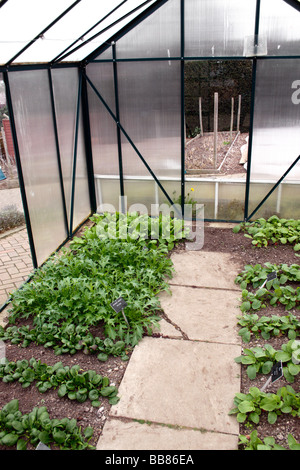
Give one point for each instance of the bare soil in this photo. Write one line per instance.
(217, 240)
(199, 154)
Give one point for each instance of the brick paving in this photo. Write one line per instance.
(15, 262)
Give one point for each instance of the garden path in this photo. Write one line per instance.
(15, 262)
(179, 385)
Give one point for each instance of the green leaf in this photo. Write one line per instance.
(10, 439)
(59, 436)
(245, 407)
(272, 417)
(251, 372)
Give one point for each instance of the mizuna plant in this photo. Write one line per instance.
(119, 256)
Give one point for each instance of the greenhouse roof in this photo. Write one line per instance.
(38, 31)
(55, 31)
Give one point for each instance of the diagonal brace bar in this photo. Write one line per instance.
(273, 189)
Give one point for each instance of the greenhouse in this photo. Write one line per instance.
(110, 99)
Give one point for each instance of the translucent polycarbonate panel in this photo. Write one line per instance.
(258, 191)
(204, 192)
(156, 36)
(288, 204)
(65, 88)
(150, 113)
(74, 25)
(140, 195)
(230, 201)
(35, 133)
(103, 127)
(218, 28)
(22, 21)
(280, 24)
(276, 137)
(107, 194)
(119, 18)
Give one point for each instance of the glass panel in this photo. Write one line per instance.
(280, 24)
(65, 87)
(276, 138)
(150, 112)
(156, 36)
(35, 133)
(216, 28)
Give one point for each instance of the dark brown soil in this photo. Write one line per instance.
(217, 240)
(199, 153)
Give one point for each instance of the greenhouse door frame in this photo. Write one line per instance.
(82, 102)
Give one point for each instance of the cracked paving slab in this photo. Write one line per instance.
(209, 314)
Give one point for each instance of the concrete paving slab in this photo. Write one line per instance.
(167, 330)
(204, 269)
(183, 383)
(120, 435)
(203, 314)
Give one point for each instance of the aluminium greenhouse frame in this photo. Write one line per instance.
(85, 83)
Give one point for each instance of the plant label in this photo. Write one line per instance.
(270, 277)
(42, 446)
(118, 304)
(277, 371)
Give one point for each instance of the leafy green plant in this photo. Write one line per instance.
(266, 327)
(284, 295)
(17, 429)
(257, 275)
(119, 256)
(261, 360)
(253, 442)
(69, 382)
(273, 230)
(249, 407)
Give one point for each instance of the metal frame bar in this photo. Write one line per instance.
(252, 110)
(115, 72)
(182, 63)
(58, 152)
(43, 32)
(20, 171)
(293, 4)
(75, 154)
(88, 143)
